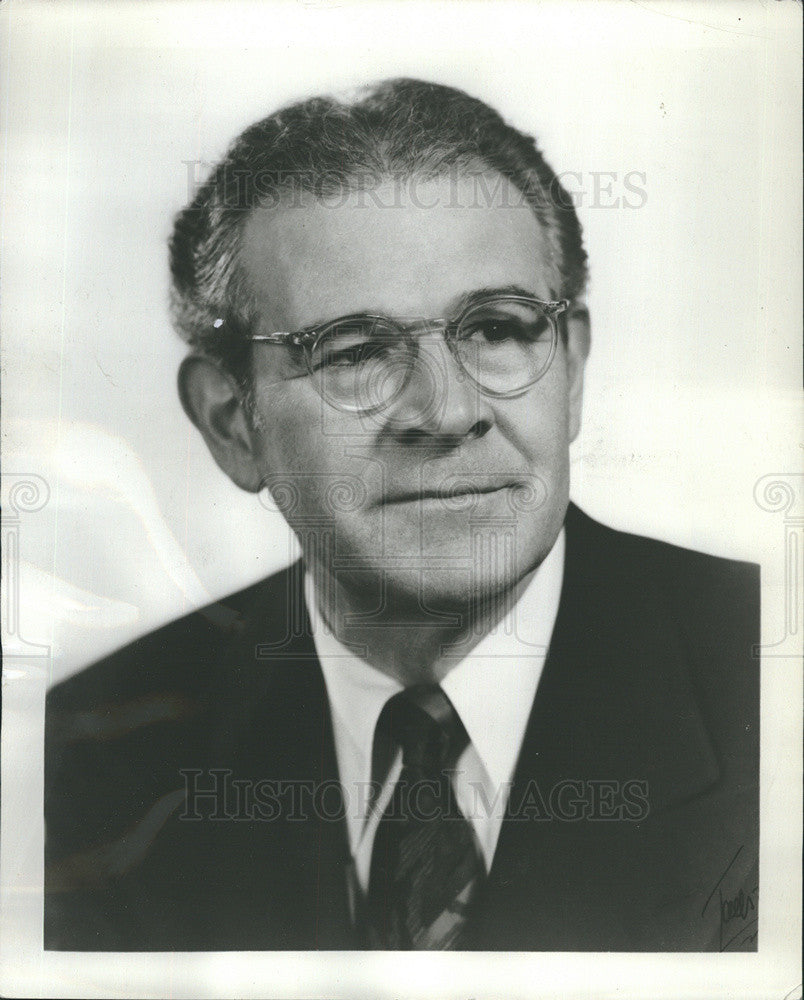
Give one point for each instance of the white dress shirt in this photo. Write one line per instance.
(492, 690)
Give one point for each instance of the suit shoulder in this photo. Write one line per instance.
(176, 655)
(716, 602)
(713, 602)
(673, 565)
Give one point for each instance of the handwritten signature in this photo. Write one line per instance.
(737, 911)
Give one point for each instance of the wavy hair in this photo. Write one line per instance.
(398, 128)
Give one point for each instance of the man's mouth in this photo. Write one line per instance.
(455, 491)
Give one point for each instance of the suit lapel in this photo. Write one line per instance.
(614, 705)
(289, 872)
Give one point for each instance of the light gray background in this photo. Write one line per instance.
(693, 389)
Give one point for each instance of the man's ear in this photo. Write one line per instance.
(213, 401)
(579, 340)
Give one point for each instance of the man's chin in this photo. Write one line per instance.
(425, 575)
(446, 596)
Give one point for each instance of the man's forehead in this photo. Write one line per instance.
(406, 246)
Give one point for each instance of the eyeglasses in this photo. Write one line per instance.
(362, 363)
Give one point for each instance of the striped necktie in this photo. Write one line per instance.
(425, 863)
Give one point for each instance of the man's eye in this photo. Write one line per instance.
(493, 331)
(336, 355)
(498, 330)
(354, 354)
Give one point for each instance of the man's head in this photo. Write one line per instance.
(409, 203)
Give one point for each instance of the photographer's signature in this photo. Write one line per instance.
(738, 912)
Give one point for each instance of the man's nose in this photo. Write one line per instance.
(440, 400)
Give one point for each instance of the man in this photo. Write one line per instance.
(471, 717)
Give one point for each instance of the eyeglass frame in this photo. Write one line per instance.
(309, 338)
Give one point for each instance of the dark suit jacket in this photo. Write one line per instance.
(650, 694)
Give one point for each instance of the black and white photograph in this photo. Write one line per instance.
(403, 499)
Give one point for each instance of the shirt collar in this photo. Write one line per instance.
(493, 687)
(357, 691)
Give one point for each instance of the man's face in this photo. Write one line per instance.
(370, 484)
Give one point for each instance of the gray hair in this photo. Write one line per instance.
(399, 128)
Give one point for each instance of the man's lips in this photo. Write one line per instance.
(447, 493)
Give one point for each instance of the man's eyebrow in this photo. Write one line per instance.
(457, 305)
(478, 294)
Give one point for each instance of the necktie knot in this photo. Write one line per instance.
(423, 721)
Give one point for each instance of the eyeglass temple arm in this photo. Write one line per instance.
(284, 338)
